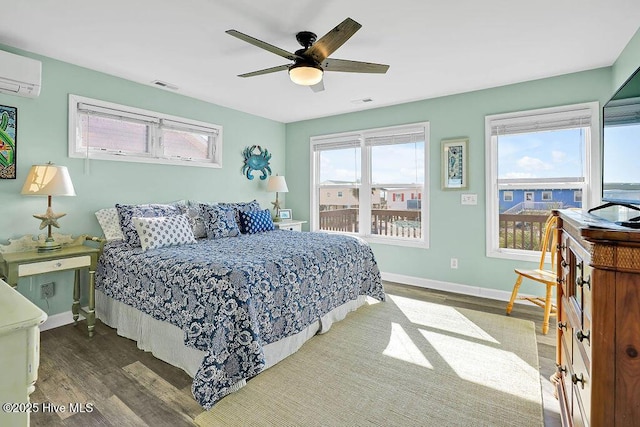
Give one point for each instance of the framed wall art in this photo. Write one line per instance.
(455, 164)
(8, 141)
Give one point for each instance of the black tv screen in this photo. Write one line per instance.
(621, 145)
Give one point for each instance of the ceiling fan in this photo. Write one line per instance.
(313, 60)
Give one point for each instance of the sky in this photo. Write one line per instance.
(551, 154)
(391, 164)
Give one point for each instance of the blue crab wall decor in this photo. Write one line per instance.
(256, 161)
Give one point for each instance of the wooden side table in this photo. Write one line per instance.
(19, 260)
(289, 224)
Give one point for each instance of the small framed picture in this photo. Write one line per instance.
(284, 213)
(454, 164)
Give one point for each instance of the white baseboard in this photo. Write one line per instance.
(57, 320)
(452, 287)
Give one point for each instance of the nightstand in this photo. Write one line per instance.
(77, 257)
(289, 224)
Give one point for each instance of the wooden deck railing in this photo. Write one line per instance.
(517, 231)
(384, 222)
(521, 231)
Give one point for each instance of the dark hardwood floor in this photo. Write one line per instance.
(126, 386)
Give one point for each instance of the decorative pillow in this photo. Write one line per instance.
(194, 215)
(219, 221)
(127, 212)
(110, 224)
(243, 207)
(256, 221)
(161, 231)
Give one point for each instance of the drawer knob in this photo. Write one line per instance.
(561, 369)
(562, 325)
(632, 352)
(583, 336)
(575, 379)
(564, 264)
(560, 247)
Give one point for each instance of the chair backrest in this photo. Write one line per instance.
(549, 242)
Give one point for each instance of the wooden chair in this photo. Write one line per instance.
(541, 275)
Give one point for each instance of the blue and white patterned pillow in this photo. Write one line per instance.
(256, 221)
(219, 221)
(127, 212)
(161, 231)
(242, 207)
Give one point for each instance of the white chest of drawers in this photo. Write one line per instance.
(19, 352)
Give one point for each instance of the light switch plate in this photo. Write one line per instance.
(469, 199)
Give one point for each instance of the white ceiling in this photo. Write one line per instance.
(434, 47)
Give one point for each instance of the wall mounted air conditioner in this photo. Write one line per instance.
(20, 75)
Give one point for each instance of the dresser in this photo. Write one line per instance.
(598, 339)
(19, 354)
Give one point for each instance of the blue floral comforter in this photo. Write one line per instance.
(234, 295)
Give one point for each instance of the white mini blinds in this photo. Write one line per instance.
(107, 131)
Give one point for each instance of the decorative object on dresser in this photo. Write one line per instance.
(277, 184)
(48, 180)
(541, 275)
(20, 258)
(8, 141)
(598, 344)
(285, 214)
(19, 354)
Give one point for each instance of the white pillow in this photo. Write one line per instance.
(161, 231)
(110, 224)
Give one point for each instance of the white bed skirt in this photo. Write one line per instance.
(166, 341)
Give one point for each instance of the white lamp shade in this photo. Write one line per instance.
(48, 180)
(277, 184)
(305, 75)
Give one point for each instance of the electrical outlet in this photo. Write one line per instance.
(47, 290)
(454, 262)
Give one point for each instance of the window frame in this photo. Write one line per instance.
(590, 186)
(156, 122)
(365, 185)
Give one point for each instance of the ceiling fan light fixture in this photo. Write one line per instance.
(305, 74)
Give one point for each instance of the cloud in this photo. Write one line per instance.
(532, 163)
(558, 156)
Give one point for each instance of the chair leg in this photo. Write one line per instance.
(547, 310)
(514, 294)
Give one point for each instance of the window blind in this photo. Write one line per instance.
(542, 122)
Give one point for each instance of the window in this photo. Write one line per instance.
(543, 158)
(107, 131)
(382, 175)
(577, 196)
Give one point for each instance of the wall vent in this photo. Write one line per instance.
(164, 85)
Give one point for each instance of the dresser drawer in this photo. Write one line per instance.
(53, 265)
(581, 381)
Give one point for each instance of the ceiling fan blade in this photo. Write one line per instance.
(262, 45)
(331, 41)
(318, 87)
(265, 71)
(347, 66)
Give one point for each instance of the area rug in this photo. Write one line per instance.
(403, 362)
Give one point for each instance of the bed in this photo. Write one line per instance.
(224, 309)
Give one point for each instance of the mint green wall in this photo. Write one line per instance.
(627, 62)
(42, 136)
(455, 230)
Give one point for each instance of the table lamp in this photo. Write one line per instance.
(277, 184)
(48, 180)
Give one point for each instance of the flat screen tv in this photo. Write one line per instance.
(621, 146)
